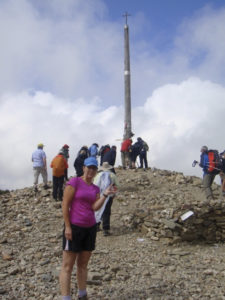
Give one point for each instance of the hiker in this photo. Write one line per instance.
(208, 177)
(84, 150)
(143, 153)
(39, 166)
(79, 161)
(93, 150)
(81, 198)
(110, 157)
(103, 150)
(134, 151)
(65, 151)
(58, 165)
(222, 173)
(103, 179)
(125, 158)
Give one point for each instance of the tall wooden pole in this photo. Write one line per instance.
(127, 120)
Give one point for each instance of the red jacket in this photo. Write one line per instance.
(125, 145)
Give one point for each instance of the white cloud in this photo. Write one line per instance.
(27, 119)
(61, 81)
(72, 51)
(179, 119)
(175, 121)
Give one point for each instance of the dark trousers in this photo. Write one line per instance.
(66, 174)
(106, 215)
(143, 158)
(58, 187)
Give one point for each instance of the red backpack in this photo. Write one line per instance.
(214, 162)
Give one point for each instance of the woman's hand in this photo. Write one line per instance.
(68, 233)
(112, 189)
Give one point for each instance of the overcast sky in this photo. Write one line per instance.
(61, 79)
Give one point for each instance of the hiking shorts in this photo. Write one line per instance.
(83, 239)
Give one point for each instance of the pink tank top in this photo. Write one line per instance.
(81, 212)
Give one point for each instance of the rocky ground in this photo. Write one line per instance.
(151, 254)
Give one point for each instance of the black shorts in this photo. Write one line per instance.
(83, 239)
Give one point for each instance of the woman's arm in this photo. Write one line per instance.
(67, 199)
(100, 200)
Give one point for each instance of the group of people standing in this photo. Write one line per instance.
(59, 164)
(130, 152)
(106, 153)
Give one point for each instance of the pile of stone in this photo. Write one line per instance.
(169, 205)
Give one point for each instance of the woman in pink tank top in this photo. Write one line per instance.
(81, 198)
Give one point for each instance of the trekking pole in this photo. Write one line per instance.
(215, 168)
(195, 162)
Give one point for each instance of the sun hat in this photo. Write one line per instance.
(40, 145)
(91, 161)
(105, 167)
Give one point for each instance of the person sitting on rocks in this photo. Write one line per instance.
(81, 198)
(39, 166)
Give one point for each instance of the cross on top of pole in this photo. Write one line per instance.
(126, 15)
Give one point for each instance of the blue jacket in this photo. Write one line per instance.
(204, 162)
(93, 150)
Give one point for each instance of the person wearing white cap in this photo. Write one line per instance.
(39, 166)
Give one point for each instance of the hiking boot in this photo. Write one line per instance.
(35, 189)
(106, 233)
(46, 187)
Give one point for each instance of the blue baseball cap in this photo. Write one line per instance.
(91, 161)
